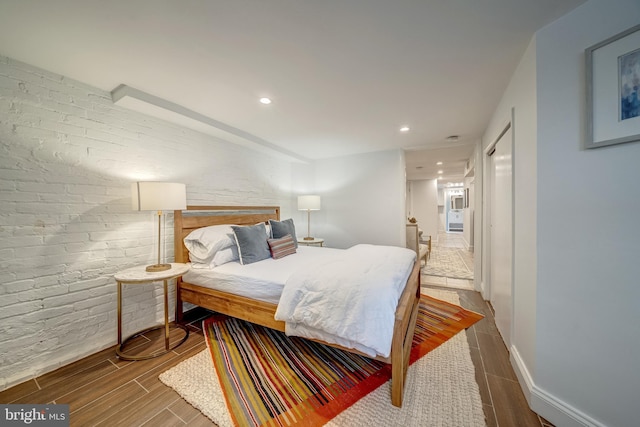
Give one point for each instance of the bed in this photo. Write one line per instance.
(262, 312)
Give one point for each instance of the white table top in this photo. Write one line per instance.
(139, 274)
(315, 240)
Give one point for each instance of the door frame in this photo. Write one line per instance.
(485, 278)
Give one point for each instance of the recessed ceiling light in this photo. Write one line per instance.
(418, 167)
(440, 172)
(453, 138)
(404, 129)
(265, 101)
(438, 163)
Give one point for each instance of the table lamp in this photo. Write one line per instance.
(158, 196)
(309, 203)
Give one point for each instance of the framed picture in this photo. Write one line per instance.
(613, 90)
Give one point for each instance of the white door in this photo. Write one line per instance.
(501, 235)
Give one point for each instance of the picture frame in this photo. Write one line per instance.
(613, 103)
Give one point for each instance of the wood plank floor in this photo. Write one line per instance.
(103, 390)
(503, 400)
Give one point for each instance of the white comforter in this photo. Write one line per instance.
(348, 300)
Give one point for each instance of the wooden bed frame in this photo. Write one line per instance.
(262, 313)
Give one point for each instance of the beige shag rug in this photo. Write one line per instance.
(446, 282)
(449, 262)
(441, 389)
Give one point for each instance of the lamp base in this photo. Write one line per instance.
(308, 238)
(158, 267)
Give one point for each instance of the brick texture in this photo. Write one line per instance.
(67, 158)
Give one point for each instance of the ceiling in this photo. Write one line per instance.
(343, 76)
(423, 163)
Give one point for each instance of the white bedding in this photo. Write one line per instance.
(260, 280)
(346, 297)
(350, 299)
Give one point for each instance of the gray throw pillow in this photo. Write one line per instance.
(280, 229)
(252, 243)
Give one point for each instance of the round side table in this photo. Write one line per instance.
(317, 241)
(138, 275)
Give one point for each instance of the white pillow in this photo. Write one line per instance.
(221, 257)
(225, 255)
(203, 243)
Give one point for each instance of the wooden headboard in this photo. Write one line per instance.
(184, 222)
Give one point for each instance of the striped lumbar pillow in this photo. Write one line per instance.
(282, 247)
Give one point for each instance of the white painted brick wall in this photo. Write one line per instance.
(67, 158)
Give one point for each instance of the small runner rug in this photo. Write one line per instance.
(269, 379)
(448, 262)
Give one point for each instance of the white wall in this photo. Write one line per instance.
(575, 340)
(478, 215)
(519, 99)
(588, 340)
(303, 181)
(363, 199)
(67, 158)
(424, 202)
(442, 208)
(467, 231)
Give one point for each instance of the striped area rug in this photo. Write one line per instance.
(269, 379)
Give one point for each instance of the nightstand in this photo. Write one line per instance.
(138, 275)
(315, 242)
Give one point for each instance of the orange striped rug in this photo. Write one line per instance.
(269, 379)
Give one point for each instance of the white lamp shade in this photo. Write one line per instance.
(158, 196)
(311, 203)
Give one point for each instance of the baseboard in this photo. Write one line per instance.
(524, 377)
(467, 245)
(545, 404)
(483, 291)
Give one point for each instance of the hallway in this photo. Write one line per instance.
(450, 264)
